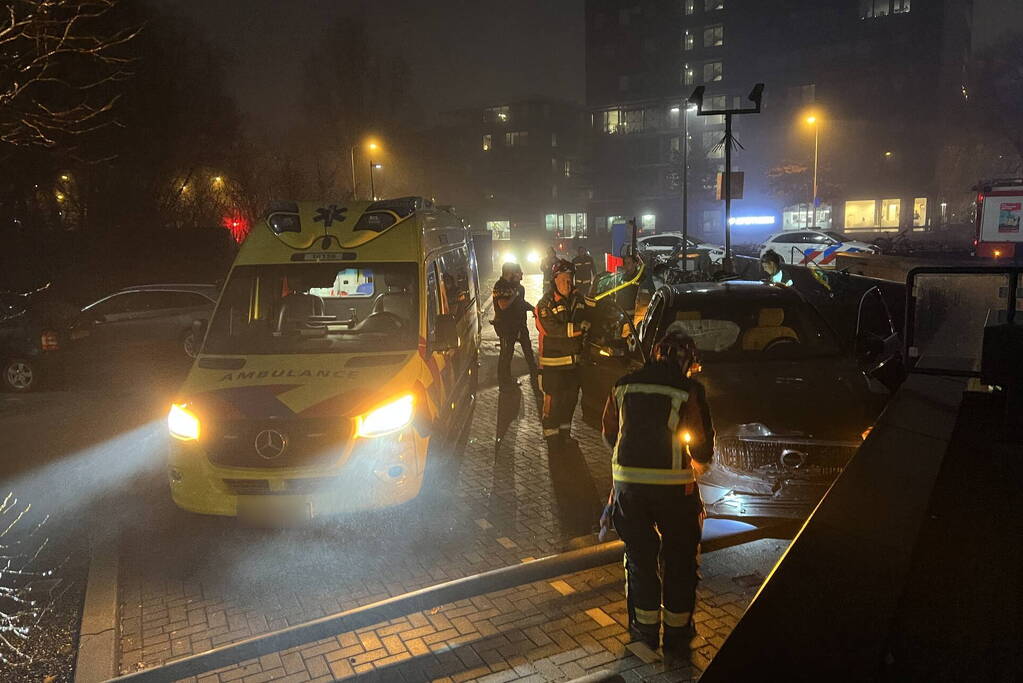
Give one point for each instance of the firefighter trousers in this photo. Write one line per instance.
(560, 387)
(660, 526)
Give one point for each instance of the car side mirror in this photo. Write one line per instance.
(446, 333)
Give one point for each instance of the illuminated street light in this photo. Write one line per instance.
(65, 177)
(218, 181)
(60, 196)
(887, 155)
(811, 119)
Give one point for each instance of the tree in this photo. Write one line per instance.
(995, 93)
(56, 59)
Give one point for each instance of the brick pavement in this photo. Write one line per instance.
(545, 631)
(190, 583)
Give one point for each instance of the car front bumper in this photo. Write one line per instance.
(368, 474)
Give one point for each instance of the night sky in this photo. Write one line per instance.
(462, 52)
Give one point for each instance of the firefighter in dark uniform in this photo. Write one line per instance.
(658, 423)
(562, 315)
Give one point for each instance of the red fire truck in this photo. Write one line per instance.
(999, 219)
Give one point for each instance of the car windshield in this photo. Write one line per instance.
(732, 329)
(317, 308)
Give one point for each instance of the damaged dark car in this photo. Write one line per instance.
(791, 399)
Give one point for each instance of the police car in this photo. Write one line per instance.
(816, 247)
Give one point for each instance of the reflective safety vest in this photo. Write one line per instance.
(558, 318)
(656, 420)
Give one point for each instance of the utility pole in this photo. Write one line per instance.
(816, 131)
(755, 96)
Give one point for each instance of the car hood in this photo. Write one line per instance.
(823, 398)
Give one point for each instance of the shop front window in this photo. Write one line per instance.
(501, 230)
(890, 213)
(919, 212)
(861, 214)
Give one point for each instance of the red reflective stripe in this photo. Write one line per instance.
(830, 257)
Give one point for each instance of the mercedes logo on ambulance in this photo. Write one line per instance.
(270, 444)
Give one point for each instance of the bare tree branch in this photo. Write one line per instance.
(56, 57)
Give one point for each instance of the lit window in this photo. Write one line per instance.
(871, 9)
(900, 6)
(687, 40)
(647, 222)
(551, 222)
(497, 114)
(712, 71)
(516, 139)
(861, 214)
(714, 36)
(688, 75)
(501, 230)
(711, 5)
(919, 212)
(487, 141)
(554, 139)
(690, 7)
(611, 121)
(715, 103)
(890, 213)
(568, 168)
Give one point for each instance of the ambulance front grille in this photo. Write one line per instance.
(307, 443)
(261, 487)
(823, 460)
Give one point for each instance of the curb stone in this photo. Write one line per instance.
(99, 632)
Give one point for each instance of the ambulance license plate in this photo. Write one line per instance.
(275, 510)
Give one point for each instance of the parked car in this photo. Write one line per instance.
(666, 242)
(33, 334)
(145, 317)
(818, 247)
(790, 401)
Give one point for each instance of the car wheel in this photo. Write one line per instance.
(190, 344)
(19, 375)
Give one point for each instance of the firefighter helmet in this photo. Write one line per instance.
(676, 345)
(561, 266)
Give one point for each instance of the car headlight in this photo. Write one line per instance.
(533, 257)
(386, 419)
(182, 423)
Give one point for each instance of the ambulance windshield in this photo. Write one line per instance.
(317, 308)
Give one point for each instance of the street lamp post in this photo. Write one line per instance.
(372, 184)
(812, 120)
(372, 147)
(756, 96)
(684, 111)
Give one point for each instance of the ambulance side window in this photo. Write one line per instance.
(454, 280)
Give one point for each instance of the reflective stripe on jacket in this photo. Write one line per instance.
(647, 419)
(558, 321)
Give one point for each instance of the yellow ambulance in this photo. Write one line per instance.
(344, 342)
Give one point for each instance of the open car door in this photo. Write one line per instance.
(612, 349)
(878, 342)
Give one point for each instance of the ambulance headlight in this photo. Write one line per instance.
(533, 257)
(386, 419)
(182, 423)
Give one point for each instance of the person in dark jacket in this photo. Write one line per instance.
(658, 423)
(510, 308)
(562, 316)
